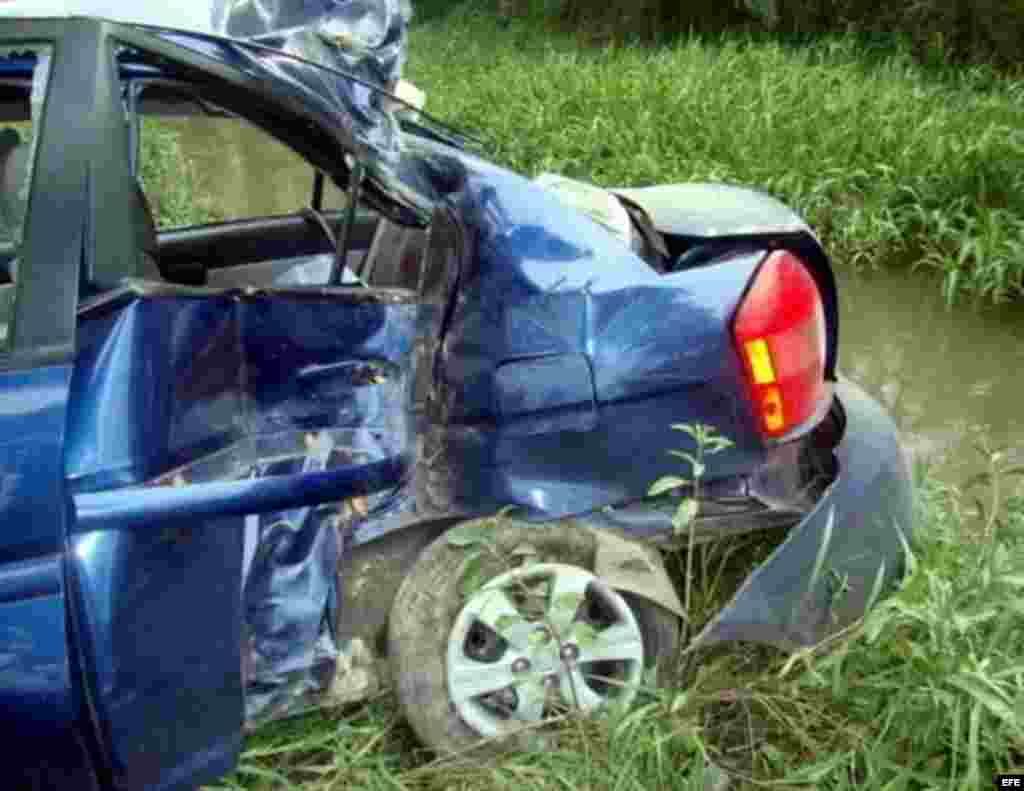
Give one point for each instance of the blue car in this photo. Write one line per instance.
(244, 445)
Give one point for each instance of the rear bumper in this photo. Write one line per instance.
(844, 547)
(844, 554)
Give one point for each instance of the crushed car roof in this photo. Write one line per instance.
(365, 22)
(365, 37)
(360, 39)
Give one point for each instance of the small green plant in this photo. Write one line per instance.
(707, 442)
(998, 470)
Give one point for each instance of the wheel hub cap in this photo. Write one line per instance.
(546, 650)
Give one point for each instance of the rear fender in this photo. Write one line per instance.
(692, 214)
(566, 357)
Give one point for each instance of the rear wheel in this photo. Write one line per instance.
(534, 640)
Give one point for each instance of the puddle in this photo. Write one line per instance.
(943, 374)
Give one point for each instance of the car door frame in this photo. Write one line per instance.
(44, 701)
(140, 554)
(245, 239)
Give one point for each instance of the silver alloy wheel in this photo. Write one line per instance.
(499, 656)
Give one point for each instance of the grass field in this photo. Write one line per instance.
(892, 163)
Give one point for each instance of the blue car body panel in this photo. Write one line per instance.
(38, 695)
(192, 410)
(564, 351)
(132, 589)
(168, 376)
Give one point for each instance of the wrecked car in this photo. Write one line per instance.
(241, 451)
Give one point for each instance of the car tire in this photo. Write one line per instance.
(430, 602)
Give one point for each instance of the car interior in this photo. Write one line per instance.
(270, 219)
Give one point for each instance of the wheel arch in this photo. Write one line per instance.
(374, 570)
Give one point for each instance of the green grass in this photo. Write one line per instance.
(892, 163)
(176, 191)
(928, 692)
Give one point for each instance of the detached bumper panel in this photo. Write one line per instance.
(847, 551)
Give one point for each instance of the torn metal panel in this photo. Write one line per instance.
(627, 566)
(289, 597)
(366, 36)
(564, 351)
(845, 553)
(190, 372)
(221, 435)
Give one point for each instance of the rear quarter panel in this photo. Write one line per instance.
(567, 358)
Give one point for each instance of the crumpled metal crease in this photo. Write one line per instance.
(369, 36)
(291, 657)
(364, 38)
(289, 595)
(255, 383)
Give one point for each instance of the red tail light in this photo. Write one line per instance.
(780, 334)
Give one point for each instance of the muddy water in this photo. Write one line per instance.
(945, 375)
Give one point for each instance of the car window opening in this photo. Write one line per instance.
(232, 204)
